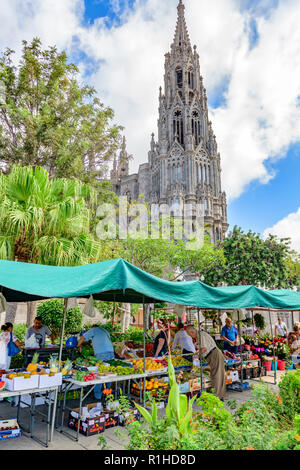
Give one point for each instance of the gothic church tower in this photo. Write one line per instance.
(184, 164)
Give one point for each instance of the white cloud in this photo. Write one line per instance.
(54, 21)
(289, 227)
(260, 118)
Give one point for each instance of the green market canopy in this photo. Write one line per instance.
(120, 281)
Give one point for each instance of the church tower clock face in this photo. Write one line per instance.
(183, 164)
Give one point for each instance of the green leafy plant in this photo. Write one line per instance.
(51, 313)
(259, 321)
(289, 388)
(19, 331)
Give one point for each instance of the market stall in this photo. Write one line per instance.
(119, 281)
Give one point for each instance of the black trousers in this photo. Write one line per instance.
(188, 358)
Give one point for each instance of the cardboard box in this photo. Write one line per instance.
(20, 383)
(26, 401)
(184, 388)
(88, 427)
(46, 381)
(9, 434)
(129, 417)
(91, 426)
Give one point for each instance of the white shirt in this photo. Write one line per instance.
(207, 342)
(184, 340)
(281, 329)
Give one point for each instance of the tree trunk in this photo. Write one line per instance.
(10, 314)
(125, 317)
(31, 313)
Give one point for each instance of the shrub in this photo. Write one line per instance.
(19, 331)
(289, 388)
(51, 313)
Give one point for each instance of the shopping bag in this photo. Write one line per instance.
(31, 342)
(12, 349)
(3, 355)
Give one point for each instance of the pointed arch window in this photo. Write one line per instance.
(196, 127)
(205, 174)
(174, 174)
(191, 78)
(178, 126)
(179, 77)
(178, 171)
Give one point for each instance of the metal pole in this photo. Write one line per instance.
(200, 351)
(144, 348)
(242, 361)
(274, 360)
(59, 364)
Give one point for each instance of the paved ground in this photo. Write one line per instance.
(61, 442)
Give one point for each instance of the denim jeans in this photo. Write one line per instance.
(98, 389)
(232, 349)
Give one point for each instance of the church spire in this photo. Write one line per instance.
(181, 34)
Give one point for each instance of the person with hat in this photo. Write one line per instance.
(215, 359)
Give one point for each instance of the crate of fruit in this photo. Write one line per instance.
(9, 429)
(50, 379)
(22, 381)
(129, 417)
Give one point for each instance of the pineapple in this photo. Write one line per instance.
(67, 367)
(32, 367)
(53, 365)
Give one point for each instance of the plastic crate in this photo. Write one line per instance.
(12, 433)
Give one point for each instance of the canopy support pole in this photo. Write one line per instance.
(200, 352)
(241, 354)
(144, 349)
(274, 360)
(59, 364)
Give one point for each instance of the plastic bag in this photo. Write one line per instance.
(3, 355)
(89, 309)
(3, 304)
(31, 342)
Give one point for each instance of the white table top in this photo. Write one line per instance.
(7, 393)
(103, 380)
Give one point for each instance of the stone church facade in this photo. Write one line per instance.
(184, 165)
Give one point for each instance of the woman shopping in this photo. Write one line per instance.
(9, 345)
(162, 340)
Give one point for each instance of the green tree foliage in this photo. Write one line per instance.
(48, 119)
(51, 312)
(293, 269)
(164, 253)
(45, 221)
(250, 260)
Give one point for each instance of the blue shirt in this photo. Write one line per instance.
(100, 339)
(229, 334)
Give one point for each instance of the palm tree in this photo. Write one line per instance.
(46, 221)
